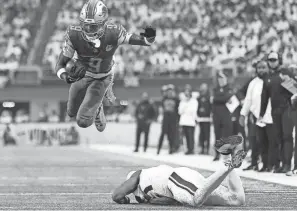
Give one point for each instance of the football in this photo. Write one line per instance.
(75, 69)
(70, 65)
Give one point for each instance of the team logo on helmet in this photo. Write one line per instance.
(93, 18)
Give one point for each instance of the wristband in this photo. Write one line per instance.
(60, 72)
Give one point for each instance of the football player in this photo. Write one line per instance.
(165, 185)
(86, 61)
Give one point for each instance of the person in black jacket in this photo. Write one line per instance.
(203, 112)
(162, 135)
(281, 113)
(145, 114)
(170, 104)
(293, 69)
(223, 126)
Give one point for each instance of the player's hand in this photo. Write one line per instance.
(149, 32)
(75, 72)
(70, 80)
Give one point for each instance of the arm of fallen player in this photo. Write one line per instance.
(164, 201)
(129, 186)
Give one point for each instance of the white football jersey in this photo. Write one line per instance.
(154, 181)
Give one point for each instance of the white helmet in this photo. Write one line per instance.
(139, 195)
(93, 18)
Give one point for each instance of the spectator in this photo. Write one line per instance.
(145, 114)
(21, 116)
(170, 105)
(281, 113)
(54, 117)
(42, 117)
(250, 31)
(8, 137)
(162, 135)
(221, 115)
(203, 113)
(72, 137)
(6, 117)
(262, 140)
(188, 111)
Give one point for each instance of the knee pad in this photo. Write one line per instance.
(84, 123)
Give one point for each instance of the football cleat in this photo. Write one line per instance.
(237, 159)
(100, 120)
(292, 173)
(228, 144)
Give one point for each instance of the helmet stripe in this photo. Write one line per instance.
(91, 9)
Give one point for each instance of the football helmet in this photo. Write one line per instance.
(93, 18)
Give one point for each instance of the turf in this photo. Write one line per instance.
(78, 178)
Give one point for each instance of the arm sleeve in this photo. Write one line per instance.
(181, 108)
(247, 101)
(194, 107)
(123, 36)
(68, 48)
(136, 111)
(136, 39)
(132, 38)
(66, 54)
(264, 98)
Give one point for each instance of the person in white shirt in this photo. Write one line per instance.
(187, 110)
(264, 134)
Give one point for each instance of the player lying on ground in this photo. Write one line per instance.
(92, 45)
(165, 185)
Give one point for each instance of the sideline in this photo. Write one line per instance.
(202, 162)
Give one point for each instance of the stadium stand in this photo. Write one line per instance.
(17, 30)
(193, 34)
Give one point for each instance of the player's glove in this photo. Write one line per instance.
(75, 72)
(149, 32)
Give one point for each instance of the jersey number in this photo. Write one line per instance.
(76, 28)
(112, 26)
(95, 63)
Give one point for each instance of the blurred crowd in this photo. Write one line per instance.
(17, 22)
(193, 35)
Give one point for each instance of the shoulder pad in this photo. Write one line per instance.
(72, 32)
(115, 28)
(113, 31)
(74, 28)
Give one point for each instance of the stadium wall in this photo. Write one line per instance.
(115, 133)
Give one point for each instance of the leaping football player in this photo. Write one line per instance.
(86, 61)
(165, 185)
